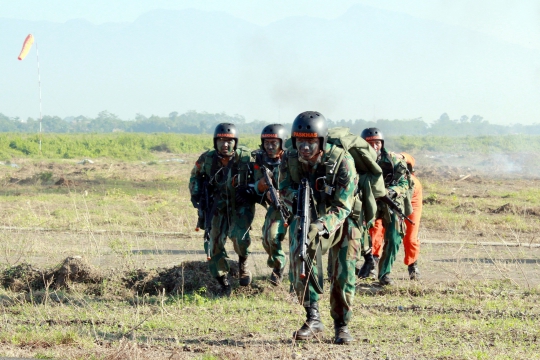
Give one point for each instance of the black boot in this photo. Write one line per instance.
(312, 326)
(414, 274)
(244, 273)
(369, 265)
(225, 285)
(343, 337)
(277, 276)
(386, 280)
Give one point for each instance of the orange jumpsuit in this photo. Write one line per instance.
(411, 244)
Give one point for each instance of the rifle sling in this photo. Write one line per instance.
(317, 283)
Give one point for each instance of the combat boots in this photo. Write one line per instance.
(343, 337)
(225, 285)
(313, 324)
(367, 268)
(414, 274)
(386, 280)
(276, 278)
(244, 274)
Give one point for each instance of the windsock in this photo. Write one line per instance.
(26, 46)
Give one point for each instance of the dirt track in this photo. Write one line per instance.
(442, 258)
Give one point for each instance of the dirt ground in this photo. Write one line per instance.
(481, 222)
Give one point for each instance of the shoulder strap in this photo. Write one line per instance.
(335, 156)
(208, 161)
(294, 165)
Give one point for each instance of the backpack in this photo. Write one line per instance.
(365, 161)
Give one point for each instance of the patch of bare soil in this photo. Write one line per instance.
(25, 277)
(509, 208)
(189, 277)
(64, 182)
(76, 270)
(468, 208)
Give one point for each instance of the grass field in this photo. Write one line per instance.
(144, 291)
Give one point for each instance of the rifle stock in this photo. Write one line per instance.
(204, 211)
(303, 214)
(278, 204)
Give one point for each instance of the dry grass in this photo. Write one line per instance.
(133, 225)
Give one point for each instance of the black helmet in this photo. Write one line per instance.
(372, 134)
(310, 124)
(274, 131)
(226, 130)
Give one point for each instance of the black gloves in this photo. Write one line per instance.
(392, 194)
(246, 195)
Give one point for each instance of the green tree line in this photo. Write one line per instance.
(193, 122)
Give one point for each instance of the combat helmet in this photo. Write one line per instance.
(310, 124)
(371, 134)
(225, 130)
(274, 131)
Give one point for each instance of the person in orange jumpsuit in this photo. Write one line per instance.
(411, 244)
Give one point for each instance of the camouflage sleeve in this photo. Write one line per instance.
(286, 185)
(400, 183)
(195, 179)
(257, 173)
(341, 204)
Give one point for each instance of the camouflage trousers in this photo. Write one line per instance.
(344, 252)
(393, 236)
(273, 233)
(234, 224)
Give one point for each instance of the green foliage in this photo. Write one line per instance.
(479, 144)
(120, 146)
(140, 146)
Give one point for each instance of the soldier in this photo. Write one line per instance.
(411, 244)
(228, 169)
(388, 225)
(332, 227)
(273, 139)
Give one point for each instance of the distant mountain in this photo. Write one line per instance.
(366, 63)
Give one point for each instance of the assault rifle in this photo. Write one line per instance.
(303, 214)
(278, 204)
(204, 210)
(394, 207)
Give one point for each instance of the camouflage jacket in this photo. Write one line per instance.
(261, 159)
(222, 179)
(396, 177)
(330, 210)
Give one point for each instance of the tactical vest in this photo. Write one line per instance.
(333, 160)
(242, 174)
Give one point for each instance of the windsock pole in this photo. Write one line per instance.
(39, 87)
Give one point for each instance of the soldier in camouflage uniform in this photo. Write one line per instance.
(388, 224)
(332, 228)
(229, 170)
(273, 138)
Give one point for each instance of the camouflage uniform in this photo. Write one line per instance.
(396, 178)
(273, 230)
(343, 232)
(230, 219)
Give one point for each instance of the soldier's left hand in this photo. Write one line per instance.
(315, 229)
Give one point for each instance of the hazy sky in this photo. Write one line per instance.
(516, 22)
